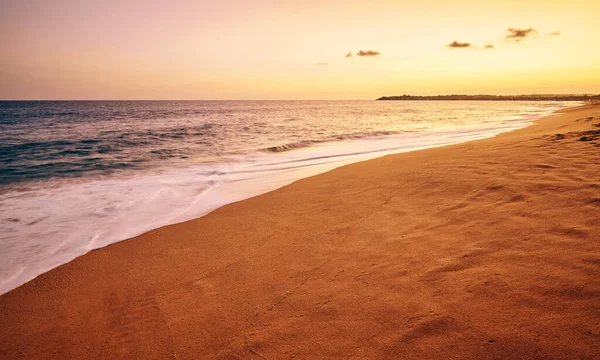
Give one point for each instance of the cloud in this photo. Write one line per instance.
(322, 63)
(518, 35)
(348, 54)
(489, 46)
(367, 53)
(458, 45)
(554, 33)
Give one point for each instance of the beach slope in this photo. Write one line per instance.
(483, 250)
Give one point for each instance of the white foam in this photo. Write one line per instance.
(53, 225)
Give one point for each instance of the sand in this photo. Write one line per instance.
(484, 250)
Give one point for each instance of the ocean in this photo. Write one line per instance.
(79, 175)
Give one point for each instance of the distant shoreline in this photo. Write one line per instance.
(534, 97)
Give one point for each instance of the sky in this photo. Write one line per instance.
(66, 49)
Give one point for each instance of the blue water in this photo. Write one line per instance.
(41, 140)
(78, 175)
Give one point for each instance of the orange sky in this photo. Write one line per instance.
(66, 49)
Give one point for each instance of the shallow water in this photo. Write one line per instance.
(75, 176)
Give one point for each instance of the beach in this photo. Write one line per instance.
(483, 250)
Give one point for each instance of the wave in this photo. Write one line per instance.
(99, 211)
(46, 224)
(292, 146)
(342, 137)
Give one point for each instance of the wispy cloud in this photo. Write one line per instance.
(517, 35)
(489, 46)
(348, 55)
(367, 53)
(459, 45)
(554, 33)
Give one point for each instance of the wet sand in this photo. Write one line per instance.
(483, 250)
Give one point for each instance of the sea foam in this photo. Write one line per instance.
(48, 224)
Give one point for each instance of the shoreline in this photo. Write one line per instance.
(402, 254)
(456, 97)
(101, 217)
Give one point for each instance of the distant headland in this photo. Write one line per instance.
(534, 97)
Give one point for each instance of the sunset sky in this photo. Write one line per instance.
(295, 49)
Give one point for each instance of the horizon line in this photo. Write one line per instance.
(358, 99)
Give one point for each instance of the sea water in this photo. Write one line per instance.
(79, 175)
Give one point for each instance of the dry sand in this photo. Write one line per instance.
(484, 250)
